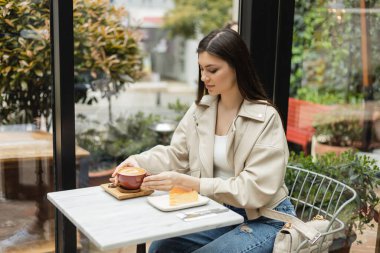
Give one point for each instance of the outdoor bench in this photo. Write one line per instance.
(301, 115)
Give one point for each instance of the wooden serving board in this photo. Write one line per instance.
(114, 191)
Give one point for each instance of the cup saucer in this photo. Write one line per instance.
(123, 190)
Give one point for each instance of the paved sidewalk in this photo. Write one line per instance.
(368, 239)
(141, 96)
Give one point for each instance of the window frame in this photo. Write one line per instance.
(263, 24)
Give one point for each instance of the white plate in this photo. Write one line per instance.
(162, 203)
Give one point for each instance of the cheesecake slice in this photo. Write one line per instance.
(180, 196)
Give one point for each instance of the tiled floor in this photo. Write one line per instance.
(368, 239)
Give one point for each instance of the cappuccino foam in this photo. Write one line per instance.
(132, 171)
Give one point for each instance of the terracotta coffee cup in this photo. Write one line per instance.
(131, 178)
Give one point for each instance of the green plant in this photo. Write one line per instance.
(25, 86)
(358, 171)
(339, 127)
(116, 140)
(92, 139)
(326, 50)
(132, 135)
(113, 142)
(103, 48)
(191, 18)
(327, 96)
(179, 109)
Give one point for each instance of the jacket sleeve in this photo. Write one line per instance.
(173, 157)
(263, 174)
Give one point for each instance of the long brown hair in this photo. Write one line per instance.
(230, 47)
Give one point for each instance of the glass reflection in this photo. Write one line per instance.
(26, 219)
(334, 98)
(124, 97)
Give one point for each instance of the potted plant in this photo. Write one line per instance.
(191, 18)
(103, 49)
(111, 144)
(106, 52)
(358, 171)
(25, 69)
(338, 130)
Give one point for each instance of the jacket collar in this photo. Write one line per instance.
(207, 100)
(251, 110)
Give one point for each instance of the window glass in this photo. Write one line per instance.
(26, 151)
(136, 74)
(334, 102)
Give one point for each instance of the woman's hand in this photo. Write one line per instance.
(129, 162)
(165, 181)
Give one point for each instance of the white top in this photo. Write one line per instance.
(221, 167)
(111, 223)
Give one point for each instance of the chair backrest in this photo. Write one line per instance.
(316, 194)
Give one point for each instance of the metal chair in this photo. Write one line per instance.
(316, 194)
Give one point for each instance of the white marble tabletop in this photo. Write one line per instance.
(111, 223)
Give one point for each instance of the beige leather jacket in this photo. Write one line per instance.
(257, 151)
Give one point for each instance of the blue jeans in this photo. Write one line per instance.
(251, 236)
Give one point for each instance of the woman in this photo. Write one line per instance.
(230, 146)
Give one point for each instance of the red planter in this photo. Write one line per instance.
(320, 149)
